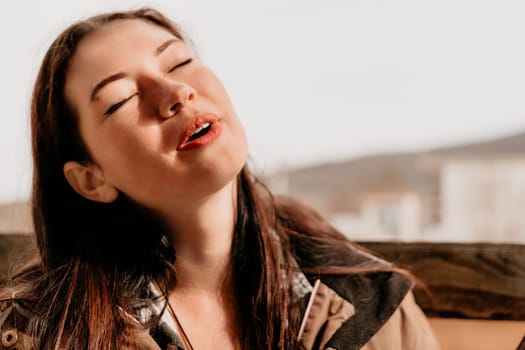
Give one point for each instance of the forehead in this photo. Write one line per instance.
(112, 48)
(115, 41)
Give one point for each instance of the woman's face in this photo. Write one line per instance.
(158, 123)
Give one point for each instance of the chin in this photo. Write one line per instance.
(221, 174)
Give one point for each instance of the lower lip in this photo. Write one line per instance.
(209, 137)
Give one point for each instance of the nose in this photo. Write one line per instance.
(175, 96)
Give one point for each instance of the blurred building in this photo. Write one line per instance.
(383, 214)
(472, 192)
(483, 199)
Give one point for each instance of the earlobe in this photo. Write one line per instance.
(88, 181)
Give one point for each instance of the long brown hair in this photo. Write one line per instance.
(96, 260)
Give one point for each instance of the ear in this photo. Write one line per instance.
(88, 181)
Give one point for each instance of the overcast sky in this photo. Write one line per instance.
(312, 81)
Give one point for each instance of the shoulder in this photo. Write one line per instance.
(407, 329)
(349, 311)
(374, 308)
(364, 279)
(322, 251)
(375, 290)
(329, 324)
(16, 312)
(14, 320)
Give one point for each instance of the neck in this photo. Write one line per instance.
(202, 234)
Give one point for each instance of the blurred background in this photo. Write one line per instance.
(398, 120)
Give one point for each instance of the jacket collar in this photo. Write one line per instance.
(357, 304)
(325, 313)
(345, 311)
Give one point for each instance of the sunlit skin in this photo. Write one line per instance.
(133, 126)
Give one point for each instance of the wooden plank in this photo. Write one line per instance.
(481, 280)
(15, 250)
(484, 281)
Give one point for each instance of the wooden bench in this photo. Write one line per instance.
(473, 294)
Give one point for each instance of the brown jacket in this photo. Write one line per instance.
(368, 311)
(388, 319)
(330, 322)
(327, 325)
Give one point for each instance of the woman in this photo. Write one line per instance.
(153, 234)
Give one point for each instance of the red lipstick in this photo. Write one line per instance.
(202, 131)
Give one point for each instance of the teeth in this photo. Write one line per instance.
(199, 129)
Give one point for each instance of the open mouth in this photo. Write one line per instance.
(199, 132)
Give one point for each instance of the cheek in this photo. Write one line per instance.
(238, 145)
(210, 87)
(118, 147)
(243, 140)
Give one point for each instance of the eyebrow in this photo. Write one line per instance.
(122, 75)
(165, 45)
(105, 82)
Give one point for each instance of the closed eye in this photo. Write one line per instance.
(113, 108)
(180, 65)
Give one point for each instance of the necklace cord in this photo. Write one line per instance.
(185, 338)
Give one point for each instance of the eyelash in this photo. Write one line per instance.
(117, 105)
(113, 108)
(180, 64)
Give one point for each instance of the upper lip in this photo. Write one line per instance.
(195, 123)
